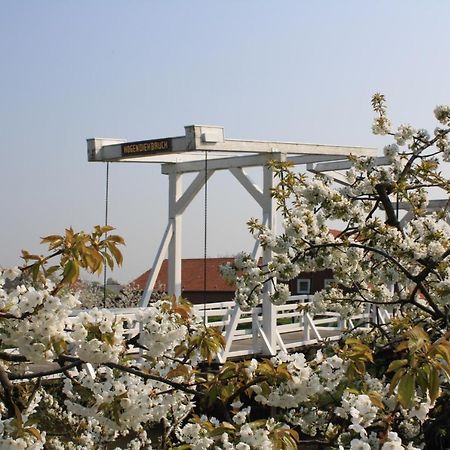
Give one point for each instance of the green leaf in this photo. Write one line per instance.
(35, 271)
(34, 432)
(434, 384)
(402, 346)
(109, 260)
(224, 428)
(53, 241)
(116, 253)
(28, 256)
(108, 338)
(396, 378)
(283, 372)
(71, 272)
(443, 349)
(265, 368)
(406, 389)
(117, 239)
(51, 270)
(376, 400)
(422, 379)
(395, 365)
(228, 372)
(180, 371)
(103, 229)
(227, 391)
(59, 345)
(18, 416)
(213, 394)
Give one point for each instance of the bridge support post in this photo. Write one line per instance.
(269, 313)
(175, 218)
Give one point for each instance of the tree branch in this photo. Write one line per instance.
(242, 389)
(148, 376)
(383, 190)
(44, 373)
(8, 392)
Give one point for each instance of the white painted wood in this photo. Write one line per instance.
(269, 321)
(433, 205)
(313, 158)
(230, 330)
(210, 138)
(175, 245)
(187, 155)
(280, 342)
(212, 134)
(256, 336)
(157, 263)
(306, 331)
(344, 165)
(249, 185)
(235, 145)
(338, 177)
(268, 347)
(225, 162)
(380, 315)
(194, 188)
(438, 204)
(408, 216)
(257, 249)
(251, 339)
(312, 326)
(95, 148)
(90, 370)
(256, 252)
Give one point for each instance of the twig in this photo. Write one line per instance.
(44, 373)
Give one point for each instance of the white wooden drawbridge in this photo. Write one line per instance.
(203, 150)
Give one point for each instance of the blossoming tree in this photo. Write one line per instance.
(85, 383)
(399, 370)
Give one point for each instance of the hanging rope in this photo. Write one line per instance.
(106, 224)
(205, 236)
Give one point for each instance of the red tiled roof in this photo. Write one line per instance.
(335, 233)
(192, 271)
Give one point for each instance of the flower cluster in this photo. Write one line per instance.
(38, 319)
(161, 329)
(97, 336)
(208, 433)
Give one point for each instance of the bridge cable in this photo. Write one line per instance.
(106, 224)
(205, 235)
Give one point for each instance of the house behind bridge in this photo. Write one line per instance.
(192, 281)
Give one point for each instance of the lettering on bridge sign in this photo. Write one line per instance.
(146, 147)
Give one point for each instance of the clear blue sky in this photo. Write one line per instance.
(283, 70)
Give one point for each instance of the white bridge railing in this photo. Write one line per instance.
(243, 331)
(295, 326)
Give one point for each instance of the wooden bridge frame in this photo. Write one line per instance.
(186, 154)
